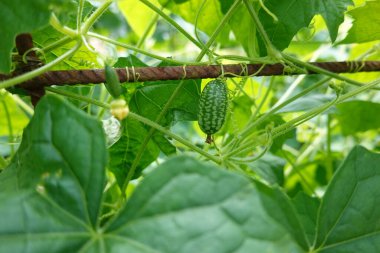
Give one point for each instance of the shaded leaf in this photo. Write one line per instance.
(307, 209)
(35, 223)
(296, 14)
(67, 147)
(270, 168)
(307, 103)
(124, 151)
(358, 116)
(349, 214)
(223, 212)
(148, 101)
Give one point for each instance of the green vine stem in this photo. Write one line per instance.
(219, 28)
(147, 31)
(141, 51)
(56, 24)
(299, 120)
(29, 75)
(80, 14)
(288, 126)
(94, 16)
(284, 128)
(77, 97)
(61, 42)
(253, 123)
(172, 22)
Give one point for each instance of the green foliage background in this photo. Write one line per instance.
(294, 169)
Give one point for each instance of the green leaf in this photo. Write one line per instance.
(270, 168)
(64, 149)
(349, 214)
(358, 116)
(149, 101)
(295, 14)
(365, 26)
(223, 212)
(307, 209)
(124, 151)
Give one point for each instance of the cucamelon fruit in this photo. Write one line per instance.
(112, 81)
(213, 105)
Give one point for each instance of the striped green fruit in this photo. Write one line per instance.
(213, 105)
(112, 81)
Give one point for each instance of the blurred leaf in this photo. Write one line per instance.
(238, 114)
(307, 209)
(365, 25)
(64, 149)
(130, 61)
(124, 151)
(19, 118)
(19, 16)
(358, 116)
(294, 15)
(211, 217)
(307, 103)
(348, 216)
(244, 30)
(164, 144)
(270, 168)
(225, 5)
(138, 15)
